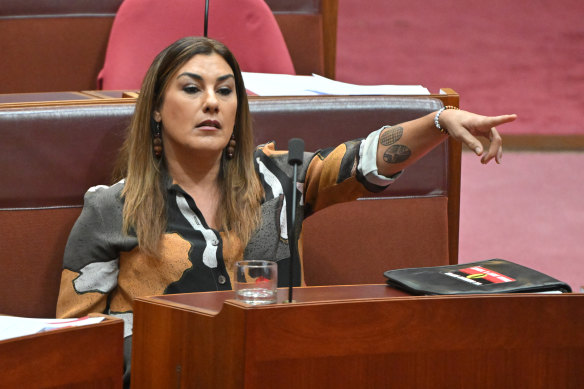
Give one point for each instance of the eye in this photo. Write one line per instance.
(225, 91)
(190, 89)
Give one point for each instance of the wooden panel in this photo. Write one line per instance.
(450, 97)
(535, 142)
(13, 98)
(77, 357)
(490, 341)
(32, 247)
(304, 37)
(312, 23)
(355, 242)
(330, 11)
(52, 54)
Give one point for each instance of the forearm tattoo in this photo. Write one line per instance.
(391, 135)
(396, 154)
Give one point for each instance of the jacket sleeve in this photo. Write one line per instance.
(344, 173)
(91, 260)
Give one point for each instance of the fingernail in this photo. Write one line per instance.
(478, 150)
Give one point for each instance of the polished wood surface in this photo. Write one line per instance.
(543, 142)
(358, 337)
(330, 11)
(450, 97)
(309, 28)
(42, 96)
(212, 302)
(76, 357)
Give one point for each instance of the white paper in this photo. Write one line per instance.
(12, 327)
(264, 84)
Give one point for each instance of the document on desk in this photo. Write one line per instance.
(265, 84)
(12, 327)
(482, 277)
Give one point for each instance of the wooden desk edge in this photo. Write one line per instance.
(109, 320)
(218, 300)
(447, 96)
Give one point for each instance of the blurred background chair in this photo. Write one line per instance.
(142, 28)
(57, 46)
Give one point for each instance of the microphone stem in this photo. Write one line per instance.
(292, 234)
(206, 18)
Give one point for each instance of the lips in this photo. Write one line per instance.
(209, 123)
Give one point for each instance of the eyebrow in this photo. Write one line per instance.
(198, 77)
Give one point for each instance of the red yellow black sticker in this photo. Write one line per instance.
(478, 275)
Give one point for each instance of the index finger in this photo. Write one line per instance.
(501, 119)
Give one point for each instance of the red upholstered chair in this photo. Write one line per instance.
(142, 28)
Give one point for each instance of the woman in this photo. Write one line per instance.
(196, 196)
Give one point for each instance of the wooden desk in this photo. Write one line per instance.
(11, 98)
(76, 357)
(363, 336)
(446, 95)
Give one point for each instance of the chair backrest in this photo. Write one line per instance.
(310, 30)
(142, 28)
(355, 242)
(52, 153)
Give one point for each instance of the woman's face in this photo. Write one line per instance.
(199, 107)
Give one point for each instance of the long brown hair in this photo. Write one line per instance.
(144, 210)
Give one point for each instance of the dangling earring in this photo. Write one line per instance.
(231, 147)
(157, 141)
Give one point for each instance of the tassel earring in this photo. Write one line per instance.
(231, 147)
(157, 141)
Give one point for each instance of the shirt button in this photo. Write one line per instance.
(215, 242)
(221, 279)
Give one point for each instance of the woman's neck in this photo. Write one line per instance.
(200, 179)
(190, 169)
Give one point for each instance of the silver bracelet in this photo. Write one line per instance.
(437, 117)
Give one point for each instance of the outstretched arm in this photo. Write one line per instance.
(401, 145)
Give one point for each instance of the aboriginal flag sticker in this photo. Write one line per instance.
(479, 275)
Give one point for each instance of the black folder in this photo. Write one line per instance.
(487, 276)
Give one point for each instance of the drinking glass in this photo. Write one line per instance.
(256, 282)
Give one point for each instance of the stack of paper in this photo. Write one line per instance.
(264, 84)
(12, 327)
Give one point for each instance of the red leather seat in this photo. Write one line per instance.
(142, 28)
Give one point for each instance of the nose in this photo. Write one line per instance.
(211, 102)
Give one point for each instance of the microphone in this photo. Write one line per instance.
(295, 151)
(206, 18)
(295, 157)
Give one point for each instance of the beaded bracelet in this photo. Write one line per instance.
(437, 123)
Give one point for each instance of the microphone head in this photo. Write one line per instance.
(295, 151)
